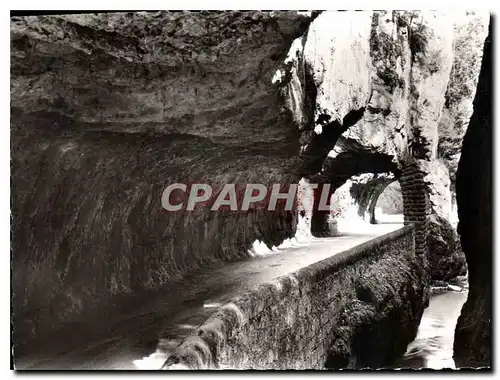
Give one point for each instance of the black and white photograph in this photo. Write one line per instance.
(199, 190)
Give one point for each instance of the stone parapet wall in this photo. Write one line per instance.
(336, 313)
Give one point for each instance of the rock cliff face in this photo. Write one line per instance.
(469, 33)
(473, 338)
(388, 92)
(402, 69)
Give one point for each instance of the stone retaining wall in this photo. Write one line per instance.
(359, 308)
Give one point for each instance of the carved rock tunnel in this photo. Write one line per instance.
(106, 114)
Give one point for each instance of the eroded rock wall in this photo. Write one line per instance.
(109, 109)
(473, 337)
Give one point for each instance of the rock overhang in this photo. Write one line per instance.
(200, 73)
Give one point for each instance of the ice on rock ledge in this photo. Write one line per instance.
(152, 362)
(278, 76)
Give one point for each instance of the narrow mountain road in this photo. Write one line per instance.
(137, 326)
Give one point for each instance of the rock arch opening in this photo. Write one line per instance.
(410, 175)
(337, 170)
